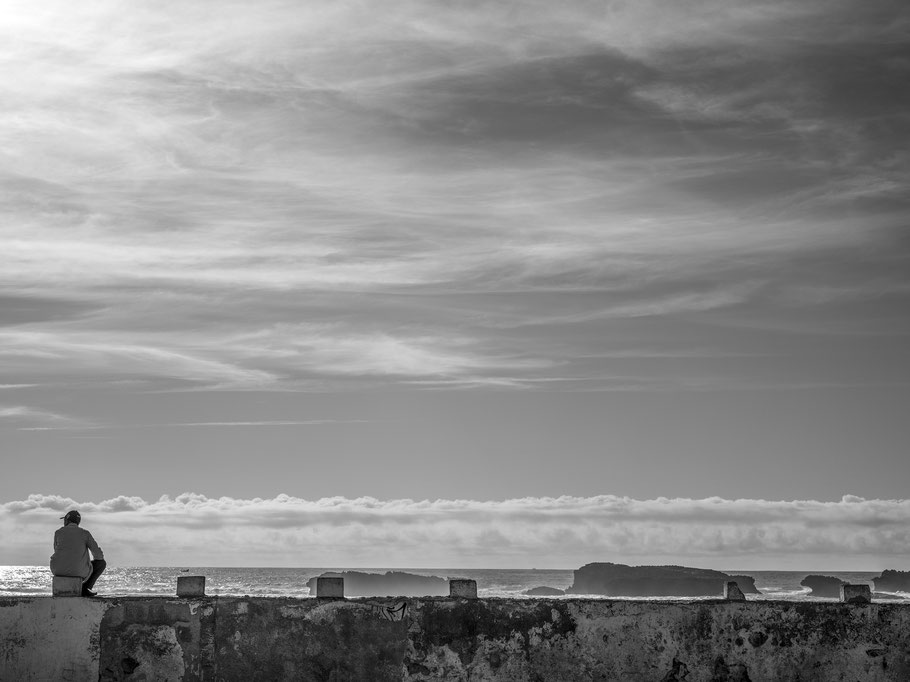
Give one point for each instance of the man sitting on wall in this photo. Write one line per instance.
(71, 553)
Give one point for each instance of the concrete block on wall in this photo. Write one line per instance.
(463, 588)
(191, 586)
(856, 594)
(330, 587)
(732, 592)
(67, 586)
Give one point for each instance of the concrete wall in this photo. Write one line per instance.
(222, 638)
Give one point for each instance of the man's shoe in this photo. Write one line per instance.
(87, 592)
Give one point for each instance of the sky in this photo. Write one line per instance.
(466, 284)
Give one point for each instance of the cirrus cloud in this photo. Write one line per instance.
(448, 182)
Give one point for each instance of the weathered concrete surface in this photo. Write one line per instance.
(450, 639)
(173, 638)
(50, 638)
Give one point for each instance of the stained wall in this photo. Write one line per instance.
(47, 638)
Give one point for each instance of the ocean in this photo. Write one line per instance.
(291, 582)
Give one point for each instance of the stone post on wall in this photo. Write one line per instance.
(732, 592)
(855, 594)
(463, 588)
(66, 586)
(191, 586)
(330, 588)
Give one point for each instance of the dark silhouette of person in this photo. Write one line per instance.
(72, 545)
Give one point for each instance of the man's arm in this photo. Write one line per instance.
(93, 546)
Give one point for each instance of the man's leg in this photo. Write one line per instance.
(98, 566)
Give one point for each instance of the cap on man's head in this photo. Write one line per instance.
(71, 517)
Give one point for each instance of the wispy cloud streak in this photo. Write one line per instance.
(439, 178)
(512, 233)
(27, 417)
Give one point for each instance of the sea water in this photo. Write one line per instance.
(291, 582)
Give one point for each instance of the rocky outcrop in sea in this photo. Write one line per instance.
(544, 591)
(390, 583)
(893, 581)
(620, 580)
(822, 585)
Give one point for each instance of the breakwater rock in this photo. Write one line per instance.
(507, 640)
(620, 580)
(544, 592)
(822, 585)
(390, 583)
(893, 581)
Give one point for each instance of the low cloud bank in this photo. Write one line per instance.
(565, 532)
